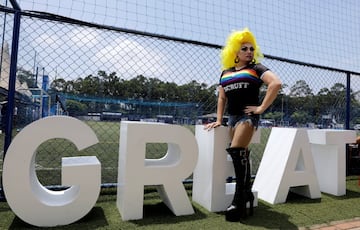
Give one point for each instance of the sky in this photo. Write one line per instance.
(323, 32)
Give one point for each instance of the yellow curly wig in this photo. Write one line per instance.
(233, 44)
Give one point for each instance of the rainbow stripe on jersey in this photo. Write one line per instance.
(244, 75)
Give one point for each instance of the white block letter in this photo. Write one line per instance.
(168, 172)
(287, 163)
(34, 203)
(328, 149)
(210, 188)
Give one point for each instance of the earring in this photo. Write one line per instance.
(236, 59)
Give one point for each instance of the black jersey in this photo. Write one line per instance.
(242, 87)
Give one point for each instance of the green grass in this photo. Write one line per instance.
(296, 212)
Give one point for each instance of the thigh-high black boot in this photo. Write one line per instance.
(237, 209)
(249, 195)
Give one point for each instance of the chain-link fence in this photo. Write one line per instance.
(102, 75)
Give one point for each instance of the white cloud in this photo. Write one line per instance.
(45, 41)
(84, 37)
(131, 58)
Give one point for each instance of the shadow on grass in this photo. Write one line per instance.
(294, 198)
(350, 194)
(267, 218)
(264, 217)
(160, 214)
(94, 219)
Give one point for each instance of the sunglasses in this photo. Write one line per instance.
(246, 49)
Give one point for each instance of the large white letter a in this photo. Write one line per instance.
(286, 164)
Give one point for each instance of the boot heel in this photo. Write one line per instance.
(243, 213)
(251, 202)
(251, 210)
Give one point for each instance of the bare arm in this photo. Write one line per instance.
(274, 84)
(220, 109)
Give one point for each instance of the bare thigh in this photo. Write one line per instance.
(241, 135)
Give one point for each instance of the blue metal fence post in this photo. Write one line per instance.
(12, 81)
(348, 101)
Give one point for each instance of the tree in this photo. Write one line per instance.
(273, 115)
(76, 108)
(26, 76)
(301, 99)
(337, 98)
(322, 103)
(300, 89)
(91, 85)
(301, 117)
(59, 85)
(110, 84)
(135, 87)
